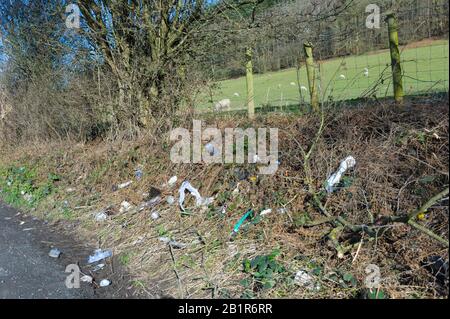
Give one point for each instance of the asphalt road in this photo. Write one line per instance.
(28, 272)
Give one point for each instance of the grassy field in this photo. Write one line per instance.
(425, 67)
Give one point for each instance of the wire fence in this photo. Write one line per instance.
(353, 61)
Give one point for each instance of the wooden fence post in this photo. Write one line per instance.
(311, 72)
(250, 90)
(395, 58)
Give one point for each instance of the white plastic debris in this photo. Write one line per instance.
(342, 76)
(105, 283)
(170, 200)
(154, 215)
(164, 240)
(200, 201)
(28, 197)
(54, 253)
(293, 84)
(98, 267)
(303, 88)
(172, 181)
(213, 151)
(99, 255)
(124, 185)
(124, 206)
(236, 94)
(265, 212)
(86, 278)
(282, 210)
(302, 278)
(334, 179)
(101, 216)
(138, 173)
(173, 243)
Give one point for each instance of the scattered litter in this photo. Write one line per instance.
(265, 212)
(236, 94)
(302, 278)
(165, 240)
(293, 84)
(172, 181)
(70, 190)
(334, 179)
(105, 283)
(98, 267)
(282, 210)
(87, 279)
(54, 253)
(212, 151)
(138, 173)
(176, 244)
(342, 76)
(150, 203)
(124, 185)
(21, 223)
(99, 255)
(170, 200)
(27, 229)
(200, 201)
(125, 206)
(241, 221)
(65, 203)
(173, 243)
(303, 88)
(155, 215)
(101, 216)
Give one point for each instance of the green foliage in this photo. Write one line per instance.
(300, 219)
(375, 294)
(264, 269)
(16, 182)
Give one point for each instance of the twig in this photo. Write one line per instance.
(428, 232)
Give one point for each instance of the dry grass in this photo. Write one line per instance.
(402, 161)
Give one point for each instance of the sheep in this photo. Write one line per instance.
(366, 72)
(222, 104)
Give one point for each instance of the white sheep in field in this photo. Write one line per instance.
(366, 72)
(222, 105)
